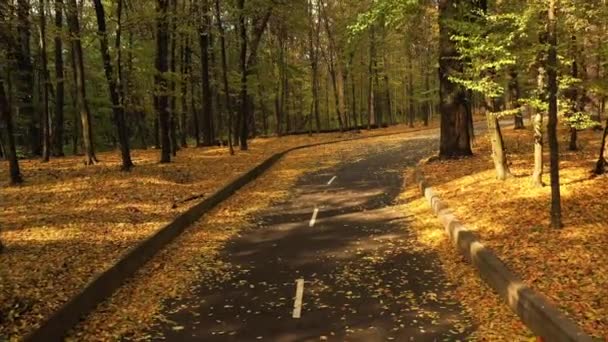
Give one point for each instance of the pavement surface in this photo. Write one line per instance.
(333, 262)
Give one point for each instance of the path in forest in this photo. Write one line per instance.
(333, 262)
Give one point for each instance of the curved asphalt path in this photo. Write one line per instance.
(364, 277)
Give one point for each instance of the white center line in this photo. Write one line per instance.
(297, 304)
(332, 180)
(313, 219)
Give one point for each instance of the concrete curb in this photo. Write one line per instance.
(534, 310)
(55, 327)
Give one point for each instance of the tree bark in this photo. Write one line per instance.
(59, 82)
(25, 76)
(242, 29)
(552, 65)
(162, 52)
(513, 91)
(455, 140)
(8, 137)
(113, 87)
(227, 102)
(371, 100)
(81, 96)
(207, 118)
(44, 80)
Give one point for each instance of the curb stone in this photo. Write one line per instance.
(534, 310)
(104, 284)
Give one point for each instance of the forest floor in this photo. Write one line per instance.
(68, 222)
(569, 266)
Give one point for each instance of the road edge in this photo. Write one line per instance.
(534, 310)
(104, 284)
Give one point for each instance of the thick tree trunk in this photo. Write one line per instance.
(44, 80)
(162, 66)
(8, 137)
(82, 101)
(455, 140)
(59, 86)
(552, 65)
(113, 88)
(313, 41)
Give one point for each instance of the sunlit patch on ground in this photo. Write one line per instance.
(570, 266)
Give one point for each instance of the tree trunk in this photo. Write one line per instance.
(455, 140)
(313, 43)
(25, 76)
(410, 88)
(600, 166)
(371, 101)
(227, 103)
(207, 118)
(242, 29)
(44, 80)
(113, 87)
(173, 84)
(81, 98)
(552, 65)
(498, 148)
(59, 86)
(8, 137)
(513, 89)
(162, 52)
(185, 70)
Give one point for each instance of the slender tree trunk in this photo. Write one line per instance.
(207, 119)
(8, 137)
(242, 28)
(113, 87)
(227, 103)
(185, 70)
(313, 39)
(162, 66)
(371, 104)
(455, 140)
(59, 79)
(173, 84)
(82, 101)
(513, 90)
(44, 80)
(25, 76)
(410, 87)
(573, 95)
(552, 65)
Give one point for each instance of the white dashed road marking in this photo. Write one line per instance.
(332, 180)
(297, 304)
(313, 219)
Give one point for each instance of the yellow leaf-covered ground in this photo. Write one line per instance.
(569, 266)
(68, 222)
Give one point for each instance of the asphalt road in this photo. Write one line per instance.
(334, 262)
